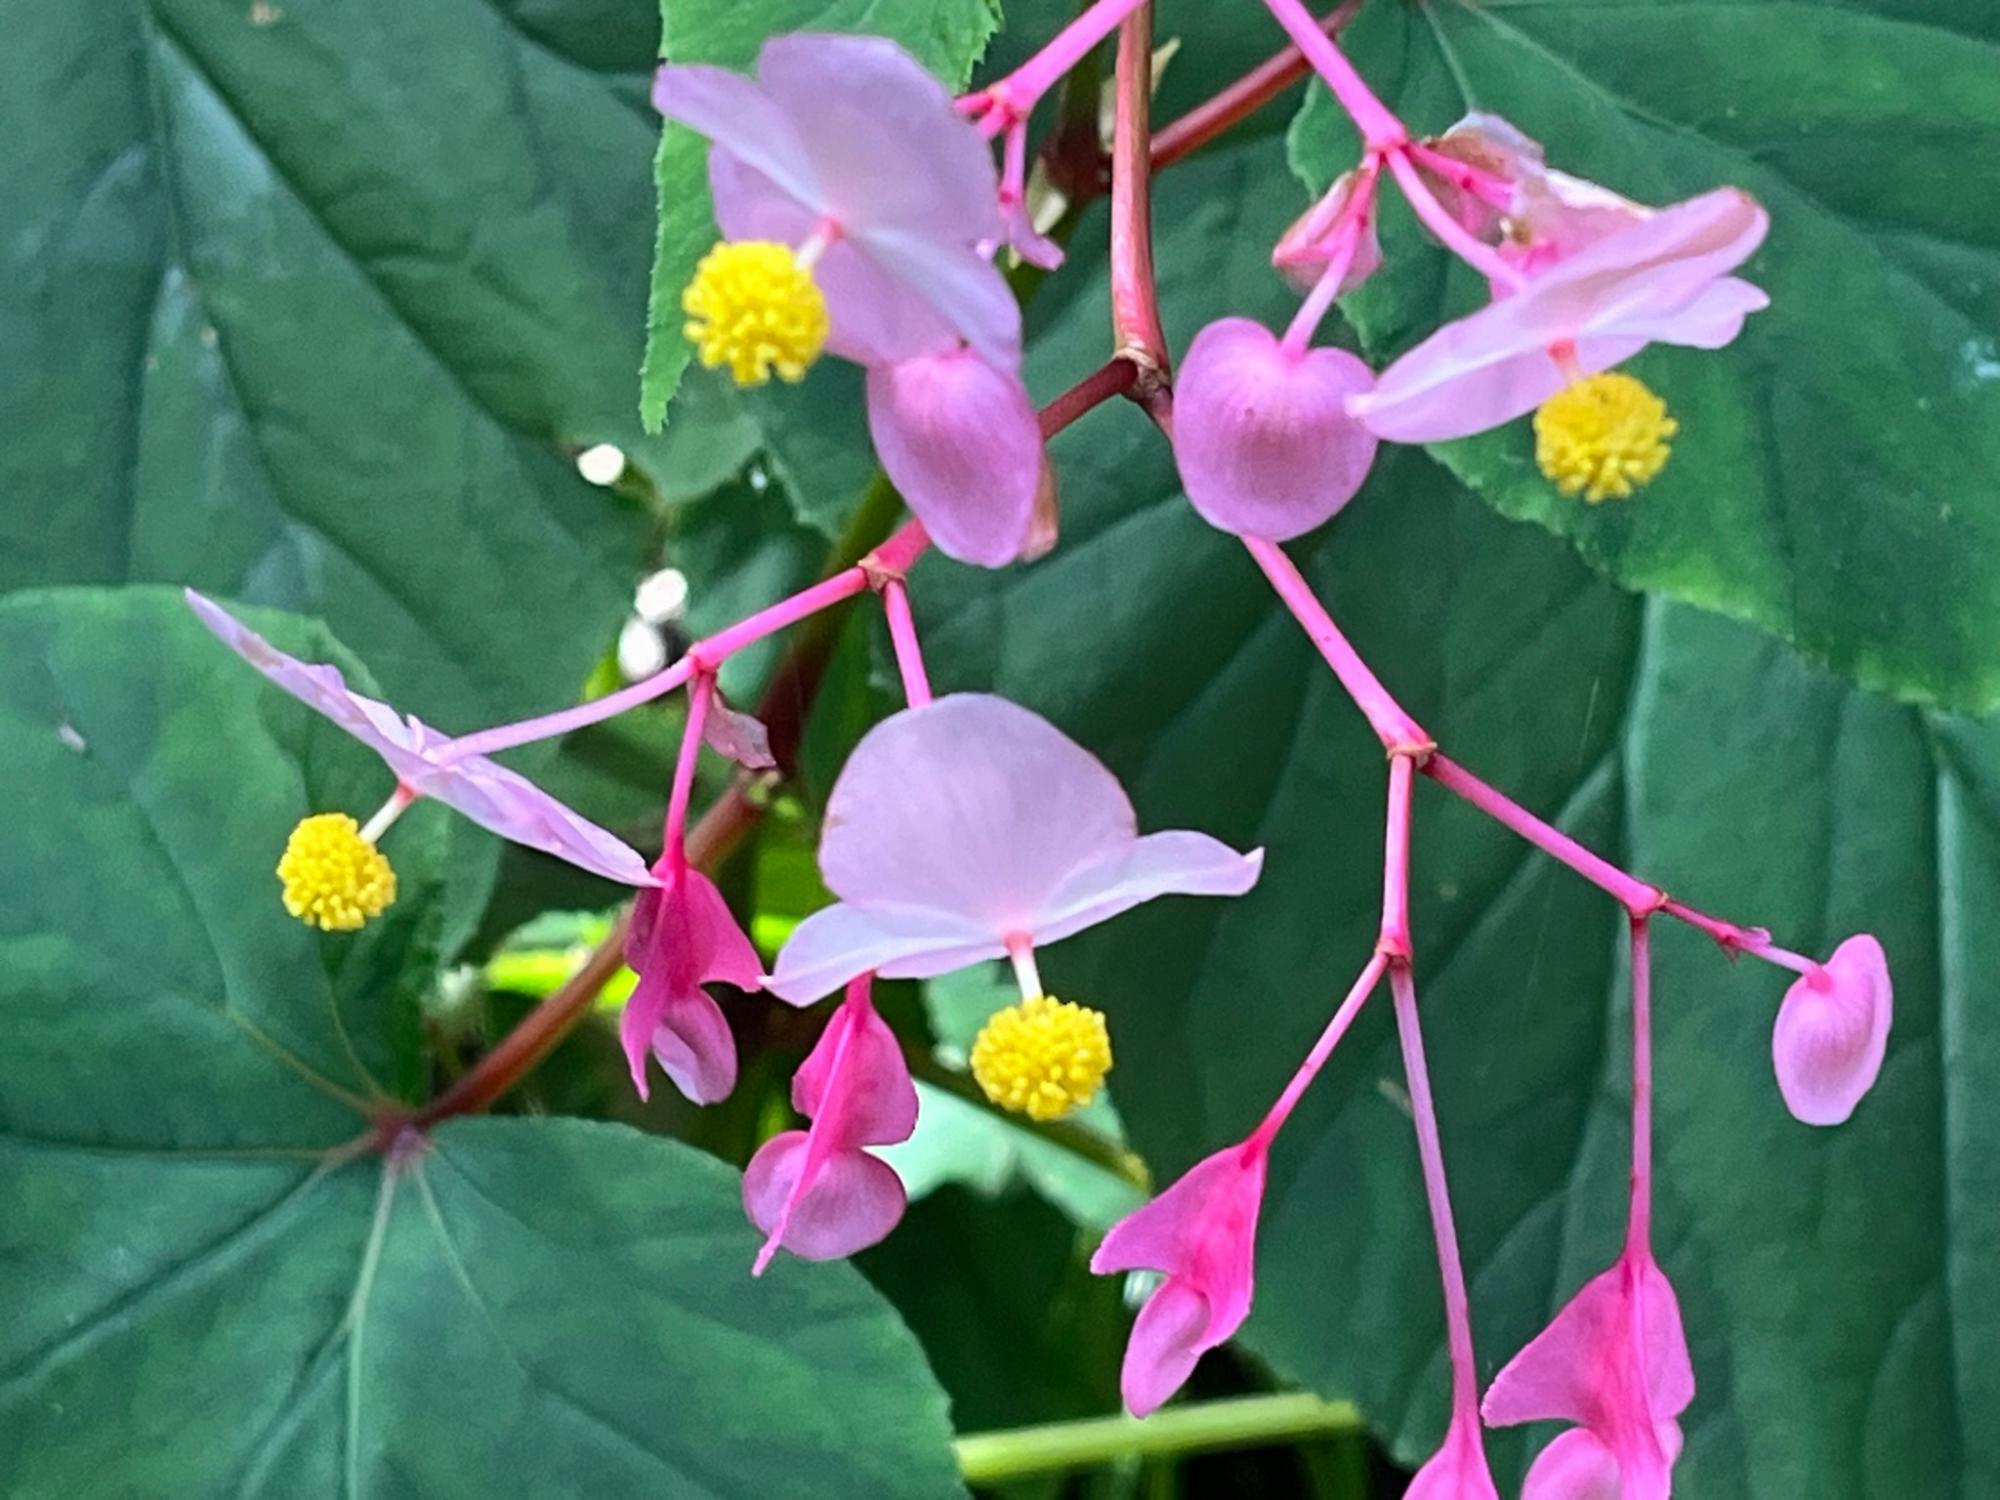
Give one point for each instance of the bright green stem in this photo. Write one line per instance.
(1200, 1427)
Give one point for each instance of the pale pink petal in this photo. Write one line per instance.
(852, 1201)
(962, 286)
(1306, 250)
(1177, 862)
(1457, 1471)
(885, 142)
(960, 441)
(1262, 436)
(831, 946)
(1576, 1466)
(855, 1085)
(693, 1046)
(737, 736)
(1653, 266)
(871, 313)
(1034, 247)
(1449, 386)
(1833, 1032)
(499, 800)
(741, 119)
(970, 805)
(1168, 1337)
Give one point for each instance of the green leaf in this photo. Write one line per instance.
(1832, 481)
(1831, 1280)
(946, 36)
(207, 1292)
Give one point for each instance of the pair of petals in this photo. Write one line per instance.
(683, 937)
(969, 825)
(1615, 1363)
(852, 133)
(1202, 1234)
(1833, 1032)
(1262, 434)
(816, 1192)
(1662, 278)
(497, 799)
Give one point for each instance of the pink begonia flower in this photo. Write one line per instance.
(847, 144)
(1202, 1233)
(969, 826)
(1458, 1470)
(1659, 279)
(961, 437)
(815, 1192)
(1261, 432)
(1615, 1362)
(850, 139)
(497, 799)
(1832, 1033)
(683, 937)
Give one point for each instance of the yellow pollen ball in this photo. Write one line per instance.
(1603, 437)
(754, 308)
(335, 880)
(1043, 1057)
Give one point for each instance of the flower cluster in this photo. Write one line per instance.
(861, 213)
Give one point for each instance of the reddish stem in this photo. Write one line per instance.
(1135, 310)
(1243, 98)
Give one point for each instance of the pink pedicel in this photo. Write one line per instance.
(848, 143)
(1832, 1033)
(497, 799)
(1261, 431)
(969, 826)
(682, 938)
(816, 1192)
(1201, 1233)
(1615, 1363)
(960, 441)
(1662, 279)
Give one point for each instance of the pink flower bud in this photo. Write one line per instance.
(1832, 1032)
(1261, 432)
(683, 937)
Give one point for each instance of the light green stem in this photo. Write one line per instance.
(1240, 1422)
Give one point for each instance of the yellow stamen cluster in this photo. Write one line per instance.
(753, 307)
(1043, 1057)
(1603, 437)
(335, 880)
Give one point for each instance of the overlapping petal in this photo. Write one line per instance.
(968, 824)
(1833, 1032)
(499, 800)
(683, 937)
(1655, 280)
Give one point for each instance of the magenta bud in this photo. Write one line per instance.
(1832, 1033)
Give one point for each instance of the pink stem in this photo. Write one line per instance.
(903, 636)
(1638, 898)
(1305, 322)
(1638, 1237)
(1394, 941)
(1457, 1311)
(1379, 127)
(1395, 728)
(1308, 1070)
(1492, 190)
(674, 839)
(1016, 95)
(1752, 940)
(1482, 257)
(703, 656)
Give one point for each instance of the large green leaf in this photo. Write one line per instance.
(1833, 479)
(203, 1295)
(946, 36)
(1833, 1281)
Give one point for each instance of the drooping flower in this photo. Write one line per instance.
(1833, 1032)
(333, 875)
(1262, 434)
(682, 938)
(1615, 1363)
(856, 201)
(1548, 343)
(1201, 1233)
(970, 828)
(816, 1192)
(844, 150)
